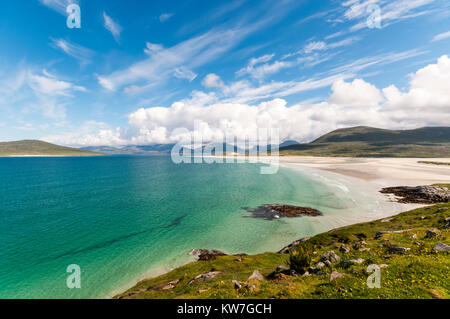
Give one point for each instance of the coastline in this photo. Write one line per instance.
(372, 174)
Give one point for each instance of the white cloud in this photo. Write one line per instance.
(112, 26)
(48, 84)
(314, 46)
(321, 45)
(76, 51)
(357, 93)
(212, 81)
(58, 5)
(259, 71)
(184, 73)
(358, 102)
(165, 16)
(162, 63)
(441, 36)
(152, 48)
(391, 11)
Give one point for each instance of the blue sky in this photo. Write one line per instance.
(137, 70)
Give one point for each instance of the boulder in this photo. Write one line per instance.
(320, 264)
(331, 256)
(431, 234)
(344, 249)
(209, 275)
(441, 247)
(237, 284)
(256, 276)
(357, 261)
(399, 250)
(335, 275)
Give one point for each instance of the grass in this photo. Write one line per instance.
(433, 163)
(36, 148)
(443, 185)
(420, 273)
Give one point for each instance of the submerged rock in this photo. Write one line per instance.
(277, 211)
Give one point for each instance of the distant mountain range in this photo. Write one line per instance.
(358, 141)
(36, 148)
(365, 141)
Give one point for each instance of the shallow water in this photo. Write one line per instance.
(121, 218)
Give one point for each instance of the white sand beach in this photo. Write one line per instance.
(383, 172)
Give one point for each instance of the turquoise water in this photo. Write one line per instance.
(123, 218)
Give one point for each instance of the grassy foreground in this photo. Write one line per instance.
(420, 272)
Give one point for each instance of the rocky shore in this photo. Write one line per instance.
(419, 194)
(277, 211)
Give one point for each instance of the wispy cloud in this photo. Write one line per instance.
(112, 26)
(58, 5)
(165, 16)
(163, 63)
(391, 11)
(82, 54)
(258, 68)
(441, 36)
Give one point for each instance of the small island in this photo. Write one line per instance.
(277, 211)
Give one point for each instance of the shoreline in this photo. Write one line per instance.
(349, 168)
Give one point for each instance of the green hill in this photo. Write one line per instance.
(365, 141)
(404, 247)
(36, 148)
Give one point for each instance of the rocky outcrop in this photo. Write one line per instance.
(419, 194)
(291, 246)
(277, 211)
(206, 254)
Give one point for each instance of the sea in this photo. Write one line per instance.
(120, 219)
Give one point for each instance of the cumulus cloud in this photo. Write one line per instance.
(357, 93)
(212, 81)
(350, 103)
